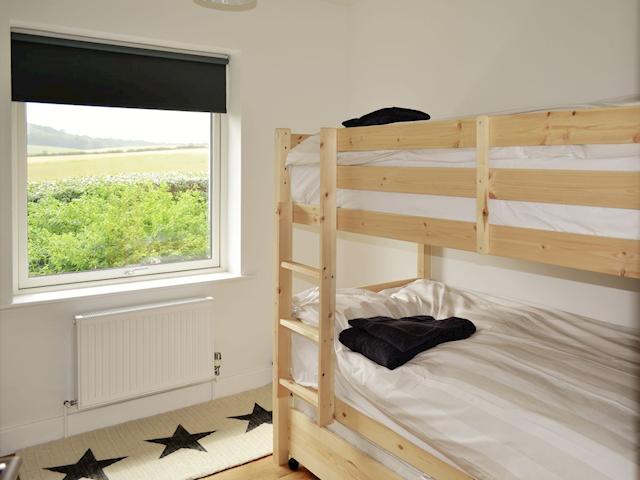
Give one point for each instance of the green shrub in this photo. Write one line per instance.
(96, 223)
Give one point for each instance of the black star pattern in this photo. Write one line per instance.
(87, 467)
(256, 418)
(181, 438)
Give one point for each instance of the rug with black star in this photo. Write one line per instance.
(183, 444)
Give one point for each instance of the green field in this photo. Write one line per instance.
(47, 150)
(52, 167)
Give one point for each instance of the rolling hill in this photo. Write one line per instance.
(50, 137)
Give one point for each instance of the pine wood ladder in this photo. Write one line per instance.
(323, 398)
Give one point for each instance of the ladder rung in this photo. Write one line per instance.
(302, 328)
(302, 268)
(309, 395)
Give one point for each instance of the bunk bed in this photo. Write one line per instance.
(521, 168)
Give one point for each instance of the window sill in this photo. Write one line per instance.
(27, 299)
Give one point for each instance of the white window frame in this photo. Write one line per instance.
(126, 274)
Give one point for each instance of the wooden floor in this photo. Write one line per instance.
(263, 469)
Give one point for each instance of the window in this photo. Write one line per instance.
(116, 192)
(118, 159)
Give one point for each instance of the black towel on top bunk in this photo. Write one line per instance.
(387, 115)
(393, 342)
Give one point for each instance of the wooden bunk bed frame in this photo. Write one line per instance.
(312, 444)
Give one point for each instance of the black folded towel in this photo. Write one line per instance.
(409, 332)
(387, 115)
(392, 343)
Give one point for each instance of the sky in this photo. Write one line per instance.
(123, 123)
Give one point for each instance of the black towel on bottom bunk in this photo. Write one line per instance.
(393, 342)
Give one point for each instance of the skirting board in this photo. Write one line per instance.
(41, 431)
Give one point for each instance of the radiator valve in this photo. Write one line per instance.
(217, 360)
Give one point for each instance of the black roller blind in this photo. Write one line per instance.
(56, 70)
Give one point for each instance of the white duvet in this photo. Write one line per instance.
(534, 394)
(304, 161)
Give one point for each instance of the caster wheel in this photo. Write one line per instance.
(293, 464)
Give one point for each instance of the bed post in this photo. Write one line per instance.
(282, 336)
(482, 184)
(424, 261)
(328, 226)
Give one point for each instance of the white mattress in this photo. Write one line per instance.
(533, 394)
(611, 222)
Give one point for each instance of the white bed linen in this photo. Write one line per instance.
(613, 222)
(533, 394)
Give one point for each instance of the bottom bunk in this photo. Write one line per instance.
(534, 393)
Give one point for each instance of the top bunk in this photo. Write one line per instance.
(580, 165)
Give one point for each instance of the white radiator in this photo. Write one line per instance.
(132, 352)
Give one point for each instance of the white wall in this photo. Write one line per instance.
(282, 74)
(453, 57)
(457, 57)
